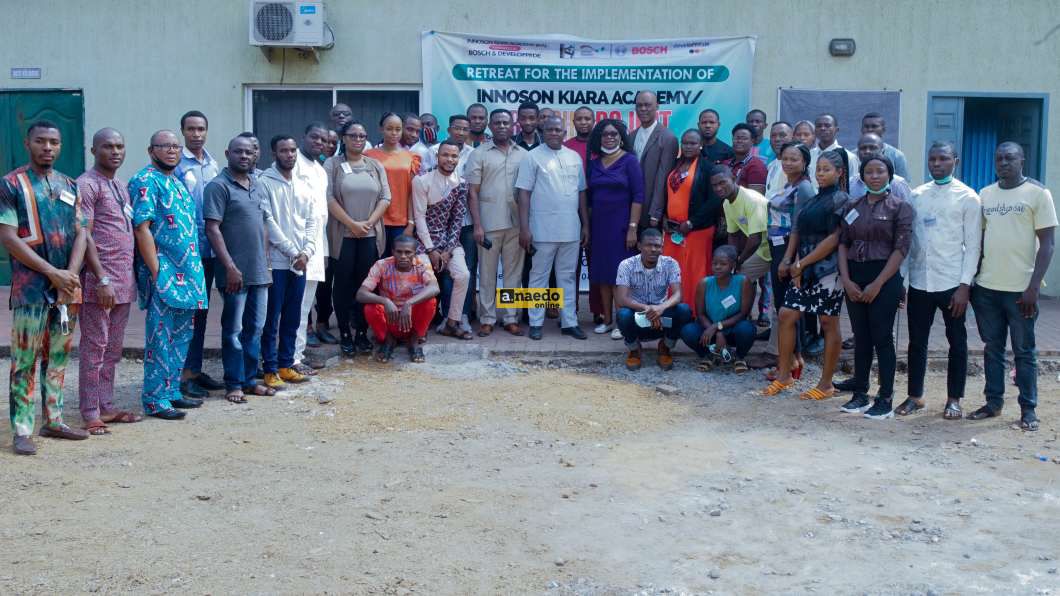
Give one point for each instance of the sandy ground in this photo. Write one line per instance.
(465, 476)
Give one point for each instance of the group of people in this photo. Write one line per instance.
(681, 236)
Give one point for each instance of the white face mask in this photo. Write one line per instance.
(610, 151)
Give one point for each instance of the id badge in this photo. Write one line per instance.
(346, 167)
(67, 197)
(851, 217)
(728, 301)
(776, 240)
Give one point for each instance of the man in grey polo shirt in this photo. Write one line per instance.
(553, 221)
(491, 172)
(236, 216)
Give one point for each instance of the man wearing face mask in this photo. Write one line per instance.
(943, 257)
(169, 275)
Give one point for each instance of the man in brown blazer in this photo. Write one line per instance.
(656, 147)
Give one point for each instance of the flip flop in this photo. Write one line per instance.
(1029, 422)
(817, 395)
(121, 417)
(740, 367)
(236, 397)
(259, 390)
(383, 353)
(416, 354)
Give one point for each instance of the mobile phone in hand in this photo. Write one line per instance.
(532, 250)
(486, 244)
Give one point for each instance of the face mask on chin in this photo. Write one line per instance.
(611, 151)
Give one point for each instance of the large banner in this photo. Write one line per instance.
(564, 73)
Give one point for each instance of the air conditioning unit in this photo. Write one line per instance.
(286, 24)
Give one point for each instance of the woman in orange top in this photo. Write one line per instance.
(401, 167)
(691, 213)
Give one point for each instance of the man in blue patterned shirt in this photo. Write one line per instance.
(170, 281)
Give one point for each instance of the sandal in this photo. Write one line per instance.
(1029, 422)
(259, 390)
(416, 354)
(236, 396)
(96, 427)
(817, 395)
(384, 352)
(454, 331)
(740, 367)
(776, 387)
(485, 330)
(121, 417)
(705, 365)
(953, 411)
(983, 413)
(908, 407)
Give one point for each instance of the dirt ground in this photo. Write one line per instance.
(466, 476)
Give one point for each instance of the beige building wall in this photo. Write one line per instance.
(141, 63)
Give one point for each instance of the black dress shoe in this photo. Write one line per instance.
(535, 332)
(575, 332)
(169, 414)
(192, 389)
(326, 337)
(847, 385)
(207, 382)
(185, 403)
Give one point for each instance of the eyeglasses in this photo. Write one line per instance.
(356, 136)
(610, 135)
(169, 147)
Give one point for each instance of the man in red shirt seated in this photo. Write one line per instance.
(399, 299)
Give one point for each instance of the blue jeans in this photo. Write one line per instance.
(445, 282)
(242, 320)
(997, 314)
(740, 335)
(193, 361)
(632, 333)
(283, 318)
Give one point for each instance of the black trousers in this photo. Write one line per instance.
(780, 287)
(921, 306)
(873, 325)
(323, 295)
(355, 260)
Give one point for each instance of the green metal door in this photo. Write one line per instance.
(20, 108)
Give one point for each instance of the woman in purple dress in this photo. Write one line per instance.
(616, 193)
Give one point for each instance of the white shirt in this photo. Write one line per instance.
(293, 229)
(432, 158)
(852, 162)
(775, 177)
(946, 236)
(641, 141)
(426, 191)
(311, 185)
(554, 179)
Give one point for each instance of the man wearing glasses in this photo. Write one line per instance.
(169, 275)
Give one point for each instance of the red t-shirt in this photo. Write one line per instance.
(751, 170)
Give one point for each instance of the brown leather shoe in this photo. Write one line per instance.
(514, 329)
(633, 360)
(63, 432)
(485, 330)
(665, 359)
(24, 445)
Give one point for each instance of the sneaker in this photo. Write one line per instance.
(290, 375)
(346, 345)
(601, 328)
(362, 344)
(273, 381)
(633, 360)
(616, 334)
(857, 404)
(880, 410)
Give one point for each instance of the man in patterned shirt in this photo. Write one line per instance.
(404, 305)
(169, 274)
(108, 282)
(40, 226)
(439, 202)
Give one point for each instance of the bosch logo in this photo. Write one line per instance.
(649, 50)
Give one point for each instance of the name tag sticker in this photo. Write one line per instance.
(728, 301)
(743, 221)
(346, 167)
(851, 217)
(776, 240)
(67, 197)
(929, 222)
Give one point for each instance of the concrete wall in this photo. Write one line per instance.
(142, 63)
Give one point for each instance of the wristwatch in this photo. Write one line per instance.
(104, 281)
(721, 325)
